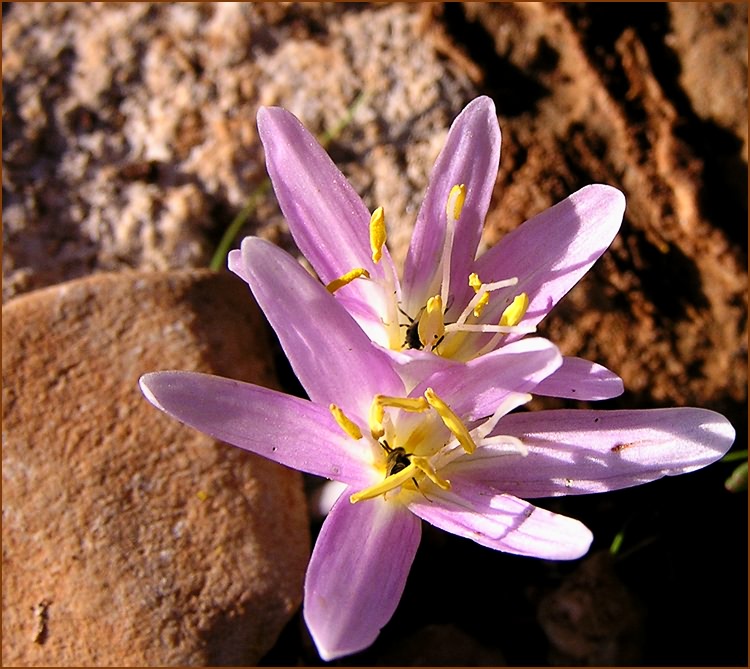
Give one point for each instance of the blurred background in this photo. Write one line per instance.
(129, 142)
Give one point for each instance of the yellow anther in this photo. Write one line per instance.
(405, 403)
(424, 465)
(481, 305)
(387, 484)
(456, 202)
(379, 404)
(342, 281)
(347, 425)
(476, 283)
(515, 311)
(377, 234)
(431, 327)
(375, 420)
(451, 420)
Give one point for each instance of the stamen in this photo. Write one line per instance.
(375, 419)
(512, 401)
(405, 403)
(456, 202)
(424, 465)
(377, 410)
(387, 484)
(453, 212)
(431, 327)
(347, 425)
(476, 283)
(515, 311)
(347, 278)
(377, 234)
(514, 444)
(479, 306)
(484, 327)
(451, 420)
(479, 290)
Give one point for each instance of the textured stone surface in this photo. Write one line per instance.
(129, 130)
(129, 539)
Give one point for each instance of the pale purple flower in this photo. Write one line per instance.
(445, 450)
(448, 307)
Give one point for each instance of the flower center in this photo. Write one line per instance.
(469, 335)
(410, 442)
(427, 436)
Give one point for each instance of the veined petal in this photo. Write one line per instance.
(552, 251)
(331, 355)
(328, 220)
(502, 522)
(577, 452)
(357, 573)
(286, 429)
(580, 379)
(475, 390)
(414, 365)
(471, 156)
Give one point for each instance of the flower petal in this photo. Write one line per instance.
(328, 220)
(502, 522)
(578, 452)
(475, 390)
(332, 357)
(581, 379)
(471, 156)
(552, 251)
(357, 573)
(286, 429)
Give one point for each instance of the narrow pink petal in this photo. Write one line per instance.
(503, 522)
(357, 573)
(332, 357)
(577, 452)
(581, 379)
(552, 251)
(471, 156)
(475, 390)
(415, 366)
(286, 429)
(328, 220)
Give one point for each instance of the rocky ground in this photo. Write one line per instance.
(129, 143)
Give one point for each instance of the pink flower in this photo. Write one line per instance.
(444, 449)
(448, 307)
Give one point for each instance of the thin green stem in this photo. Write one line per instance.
(735, 456)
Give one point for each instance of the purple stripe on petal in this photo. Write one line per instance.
(475, 390)
(357, 573)
(578, 452)
(471, 156)
(332, 357)
(288, 430)
(581, 379)
(552, 251)
(503, 522)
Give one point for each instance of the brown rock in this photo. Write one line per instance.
(711, 41)
(129, 130)
(592, 619)
(128, 538)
